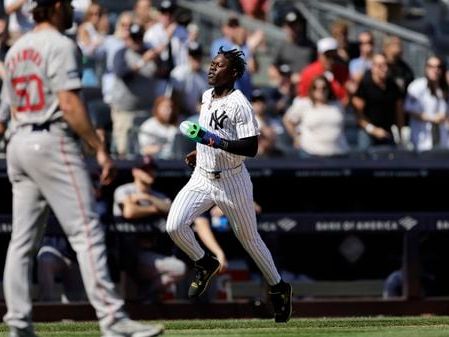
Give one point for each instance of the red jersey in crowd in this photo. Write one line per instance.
(340, 75)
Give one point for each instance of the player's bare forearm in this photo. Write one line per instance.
(134, 211)
(162, 204)
(76, 116)
(14, 7)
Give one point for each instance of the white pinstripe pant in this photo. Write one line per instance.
(234, 195)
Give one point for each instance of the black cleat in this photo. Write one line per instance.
(205, 269)
(281, 298)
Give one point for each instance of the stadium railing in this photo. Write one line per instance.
(417, 46)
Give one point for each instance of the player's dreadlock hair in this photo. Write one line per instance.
(236, 60)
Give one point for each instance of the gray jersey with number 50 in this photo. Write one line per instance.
(40, 64)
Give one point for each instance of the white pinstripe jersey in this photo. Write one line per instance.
(230, 117)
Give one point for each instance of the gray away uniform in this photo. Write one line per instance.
(45, 167)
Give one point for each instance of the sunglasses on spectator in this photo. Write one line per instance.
(439, 66)
(95, 13)
(366, 42)
(320, 87)
(380, 64)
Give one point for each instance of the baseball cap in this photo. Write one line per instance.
(257, 95)
(285, 69)
(136, 31)
(167, 6)
(326, 44)
(291, 17)
(146, 163)
(195, 49)
(233, 21)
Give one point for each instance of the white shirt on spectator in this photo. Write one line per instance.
(419, 100)
(321, 127)
(80, 8)
(157, 36)
(153, 132)
(22, 20)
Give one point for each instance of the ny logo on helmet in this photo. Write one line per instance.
(217, 121)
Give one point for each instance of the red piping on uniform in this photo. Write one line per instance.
(86, 228)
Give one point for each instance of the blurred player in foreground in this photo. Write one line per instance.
(46, 168)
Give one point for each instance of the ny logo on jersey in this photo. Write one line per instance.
(217, 121)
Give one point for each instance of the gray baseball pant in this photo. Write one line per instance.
(46, 169)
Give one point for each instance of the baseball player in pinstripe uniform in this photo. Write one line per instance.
(45, 167)
(227, 133)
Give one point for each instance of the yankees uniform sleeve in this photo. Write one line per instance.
(245, 119)
(64, 67)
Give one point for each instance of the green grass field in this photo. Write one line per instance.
(346, 327)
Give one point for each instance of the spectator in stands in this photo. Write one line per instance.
(235, 37)
(398, 69)
(281, 96)
(427, 104)
(152, 271)
(56, 260)
(170, 37)
(90, 33)
(378, 106)
(256, 9)
(79, 9)
(144, 13)
(20, 18)
(346, 49)
(4, 118)
(90, 38)
(135, 86)
(4, 122)
(194, 32)
(113, 43)
(297, 51)
(4, 45)
(157, 134)
(316, 122)
(358, 66)
(190, 80)
(269, 127)
(232, 5)
(326, 64)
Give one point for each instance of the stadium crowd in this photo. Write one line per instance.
(145, 69)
